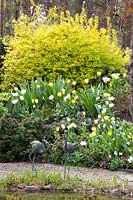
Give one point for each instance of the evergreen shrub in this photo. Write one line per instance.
(72, 47)
(16, 135)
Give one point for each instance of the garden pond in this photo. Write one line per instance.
(54, 196)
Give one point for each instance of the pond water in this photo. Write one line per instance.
(54, 196)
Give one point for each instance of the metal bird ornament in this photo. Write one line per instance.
(37, 147)
(68, 148)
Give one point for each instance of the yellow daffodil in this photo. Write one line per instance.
(50, 84)
(106, 118)
(59, 94)
(106, 95)
(93, 128)
(16, 89)
(68, 119)
(112, 118)
(93, 134)
(68, 81)
(110, 133)
(57, 128)
(96, 121)
(72, 125)
(110, 84)
(63, 91)
(38, 86)
(33, 100)
(73, 101)
(98, 73)
(74, 92)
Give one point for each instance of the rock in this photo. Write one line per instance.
(32, 188)
(47, 187)
(21, 186)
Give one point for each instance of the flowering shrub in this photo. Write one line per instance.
(74, 48)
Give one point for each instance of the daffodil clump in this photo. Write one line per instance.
(88, 114)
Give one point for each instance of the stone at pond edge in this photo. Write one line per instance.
(32, 188)
(47, 187)
(21, 186)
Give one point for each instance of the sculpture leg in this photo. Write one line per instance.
(32, 161)
(65, 165)
(33, 164)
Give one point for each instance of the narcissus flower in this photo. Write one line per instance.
(74, 83)
(115, 75)
(106, 95)
(23, 91)
(38, 86)
(15, 101)
(68, 119)
(59, 94)
(16, 89)
(67, 97)
(73, 101)
(110, 133)
(21, 98)
(57, 128)
(15, 94)
(106, 118)
(93, 128)
(36, 100)
(63, 91)
(130, 159)
(51, 97)
(86, 80)
(96, 121)
(98, 73)
(63, 126)
(106, 79)
(50, 84)
(72, 125)
(83, 143)
(68, 81)
(111, 98)
(74, 92)
(32, 100)
(93, 134)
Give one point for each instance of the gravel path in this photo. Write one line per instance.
(84, 173)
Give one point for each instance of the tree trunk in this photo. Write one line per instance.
(131, 77)
(1, 17)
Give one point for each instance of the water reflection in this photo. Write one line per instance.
(54, 196)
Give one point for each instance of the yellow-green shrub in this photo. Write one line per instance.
(74, 48)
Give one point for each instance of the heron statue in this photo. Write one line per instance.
(68, 148)
(37, 147)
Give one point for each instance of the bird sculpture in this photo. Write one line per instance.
(68, 148)
(37, 147)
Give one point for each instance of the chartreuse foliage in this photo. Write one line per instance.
(72, 47)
